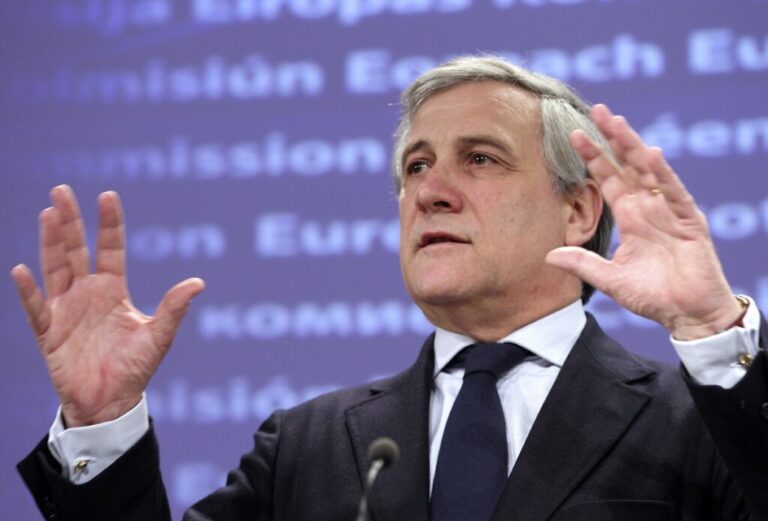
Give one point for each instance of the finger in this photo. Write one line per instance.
(603, 119)
(627, 146)
(646, 163)
(622, 137)
(32, 300)
(57, 272)
(72, 229)
(679, 200)
(110, 243)
(586, 265)
(601, 166)
(172, 309)
(651, 170)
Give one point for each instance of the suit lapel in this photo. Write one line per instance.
(588, 409)
(398, 408)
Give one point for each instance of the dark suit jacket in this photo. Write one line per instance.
(617, 438)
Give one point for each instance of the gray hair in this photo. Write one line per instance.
(562, 111)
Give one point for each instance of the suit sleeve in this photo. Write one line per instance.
(249, 492)
(131, 489)
(737, 419)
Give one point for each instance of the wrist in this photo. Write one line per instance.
(728, 316)
(73, 416)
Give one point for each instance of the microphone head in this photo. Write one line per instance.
(384, 449)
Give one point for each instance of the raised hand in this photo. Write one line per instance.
(100, 350)
(665, 267)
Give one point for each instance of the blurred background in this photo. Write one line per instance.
(250, 142)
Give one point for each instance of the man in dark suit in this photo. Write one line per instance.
(501, 237)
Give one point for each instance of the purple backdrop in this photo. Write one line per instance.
(250, 141)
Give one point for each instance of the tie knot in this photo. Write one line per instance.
(492, 358)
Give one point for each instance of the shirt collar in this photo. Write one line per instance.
(550, 338)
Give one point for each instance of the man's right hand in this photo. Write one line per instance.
(100, 350)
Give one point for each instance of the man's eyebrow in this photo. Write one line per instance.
(464, 142)
(413, 147)
(482, 139)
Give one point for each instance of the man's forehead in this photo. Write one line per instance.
(481, 107)
(493, 95)
(481, 112)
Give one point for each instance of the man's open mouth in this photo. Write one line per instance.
(428, 239)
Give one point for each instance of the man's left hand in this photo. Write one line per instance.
(665, 267)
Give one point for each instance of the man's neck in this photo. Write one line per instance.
(550, 337)
(489, 324)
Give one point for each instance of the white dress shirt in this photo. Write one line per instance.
(84, 452)
(522, 389)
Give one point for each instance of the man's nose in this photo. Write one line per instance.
(438, 191)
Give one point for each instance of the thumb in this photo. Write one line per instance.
(172, 309)
(584, 264)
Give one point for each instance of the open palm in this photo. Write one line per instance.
(665, 267)
(100, 350)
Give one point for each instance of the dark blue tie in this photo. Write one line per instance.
(472, 463)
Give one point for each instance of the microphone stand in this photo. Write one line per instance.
(373, 473)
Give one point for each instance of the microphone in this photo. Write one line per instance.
(382, 453)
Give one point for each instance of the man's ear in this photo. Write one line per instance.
(586, 208)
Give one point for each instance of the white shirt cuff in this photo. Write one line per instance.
(84, 452)
(716, 360)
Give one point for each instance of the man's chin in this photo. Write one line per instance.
(439, 294)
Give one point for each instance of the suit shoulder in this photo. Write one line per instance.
(332, 405)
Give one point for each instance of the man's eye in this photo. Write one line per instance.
(480, 159)
(416, 167)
